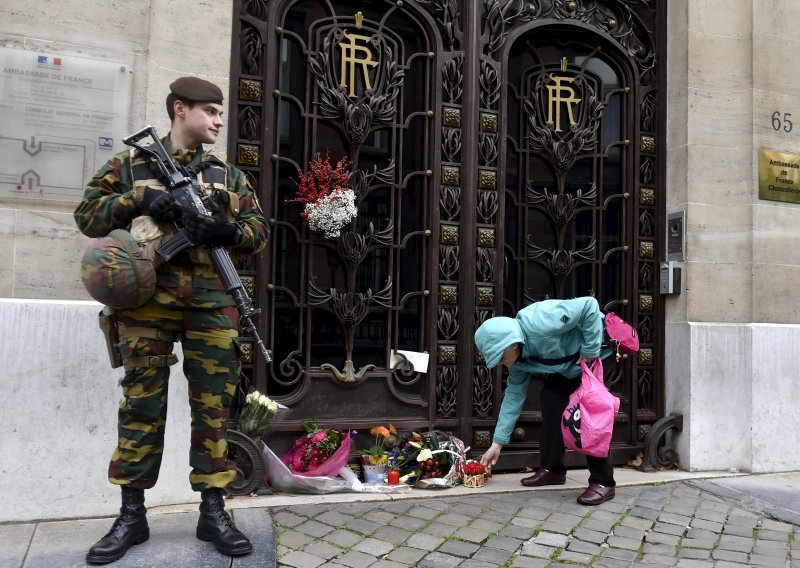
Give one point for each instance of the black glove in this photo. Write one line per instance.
(161, 205)
(211, 231)
(219, 202)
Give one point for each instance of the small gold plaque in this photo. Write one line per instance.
(778, 176)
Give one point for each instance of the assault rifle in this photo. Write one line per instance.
(188, 197)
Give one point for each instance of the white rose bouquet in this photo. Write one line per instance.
(256, 415)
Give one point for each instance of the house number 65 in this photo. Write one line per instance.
(777, 122)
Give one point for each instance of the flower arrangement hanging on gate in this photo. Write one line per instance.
(324, 190)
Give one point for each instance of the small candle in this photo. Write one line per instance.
(393, 477)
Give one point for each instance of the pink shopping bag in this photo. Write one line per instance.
(588, 421)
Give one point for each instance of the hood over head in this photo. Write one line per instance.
(496, 335)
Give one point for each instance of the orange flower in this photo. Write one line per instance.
(379, 431)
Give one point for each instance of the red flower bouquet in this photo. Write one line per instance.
(321, 452)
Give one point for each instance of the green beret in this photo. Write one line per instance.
(196, 90)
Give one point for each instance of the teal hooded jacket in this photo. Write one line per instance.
(550, 329)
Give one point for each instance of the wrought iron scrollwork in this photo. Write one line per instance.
(657, 453)
(448, 322)
(501, 15)
(256, 8)
(350, 308)
(488, 149)
(451, 143)
(482, 391)
(361, 180)
(626, 23)
(490, 85)
(446, 384)
(246, 456)
(648, 112)
(486, 263)
(453, 78)
(250, 49)
(249, 123)
(448, 262)
(562, 151)
(353, 246)
(375, 107)
(450, 202)
(561, 206)
(447, 15)
(646, 171)
(487, 206)
(560, 262)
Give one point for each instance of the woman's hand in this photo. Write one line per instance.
(489, 458)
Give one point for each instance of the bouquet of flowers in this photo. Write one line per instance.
(329, 203)
(384, 439)
(256, 415)
(430, 459)
(321, 452)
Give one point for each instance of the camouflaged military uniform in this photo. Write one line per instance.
(189, 305)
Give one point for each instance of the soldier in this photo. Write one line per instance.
(188, 304)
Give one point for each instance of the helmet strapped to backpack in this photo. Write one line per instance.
(116, 273)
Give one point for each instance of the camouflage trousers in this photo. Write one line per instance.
(211, 364)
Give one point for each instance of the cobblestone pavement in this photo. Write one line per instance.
(670, 524)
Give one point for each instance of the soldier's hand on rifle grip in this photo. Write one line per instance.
(211, 231)
(219, 202)
(161, 205)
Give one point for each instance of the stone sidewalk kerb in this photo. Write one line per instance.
(658, 519)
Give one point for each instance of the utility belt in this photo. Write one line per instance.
(114, 332)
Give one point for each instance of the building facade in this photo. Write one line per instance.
(502, 152)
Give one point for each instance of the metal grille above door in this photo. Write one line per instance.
(502, 152)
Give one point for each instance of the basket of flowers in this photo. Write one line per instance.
(474, 474)
(429, 459)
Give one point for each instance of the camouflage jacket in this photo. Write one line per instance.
(111, 201)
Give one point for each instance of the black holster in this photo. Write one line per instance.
(107, 320)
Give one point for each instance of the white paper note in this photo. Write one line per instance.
(418, 359)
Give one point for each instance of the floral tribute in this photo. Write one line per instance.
(385, 438)
(329, 202)
(256, 415)
(428, 459)
(474, 474)
(321, 451)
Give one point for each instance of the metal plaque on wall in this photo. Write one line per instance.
(778, 176)
(64, 117)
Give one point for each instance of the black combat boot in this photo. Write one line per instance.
(130, 528)
(215, 525)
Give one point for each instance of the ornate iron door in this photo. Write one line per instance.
(501, 152)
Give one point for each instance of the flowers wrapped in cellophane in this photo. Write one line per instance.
(321, 452)
(257, 415)
(429, 459)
